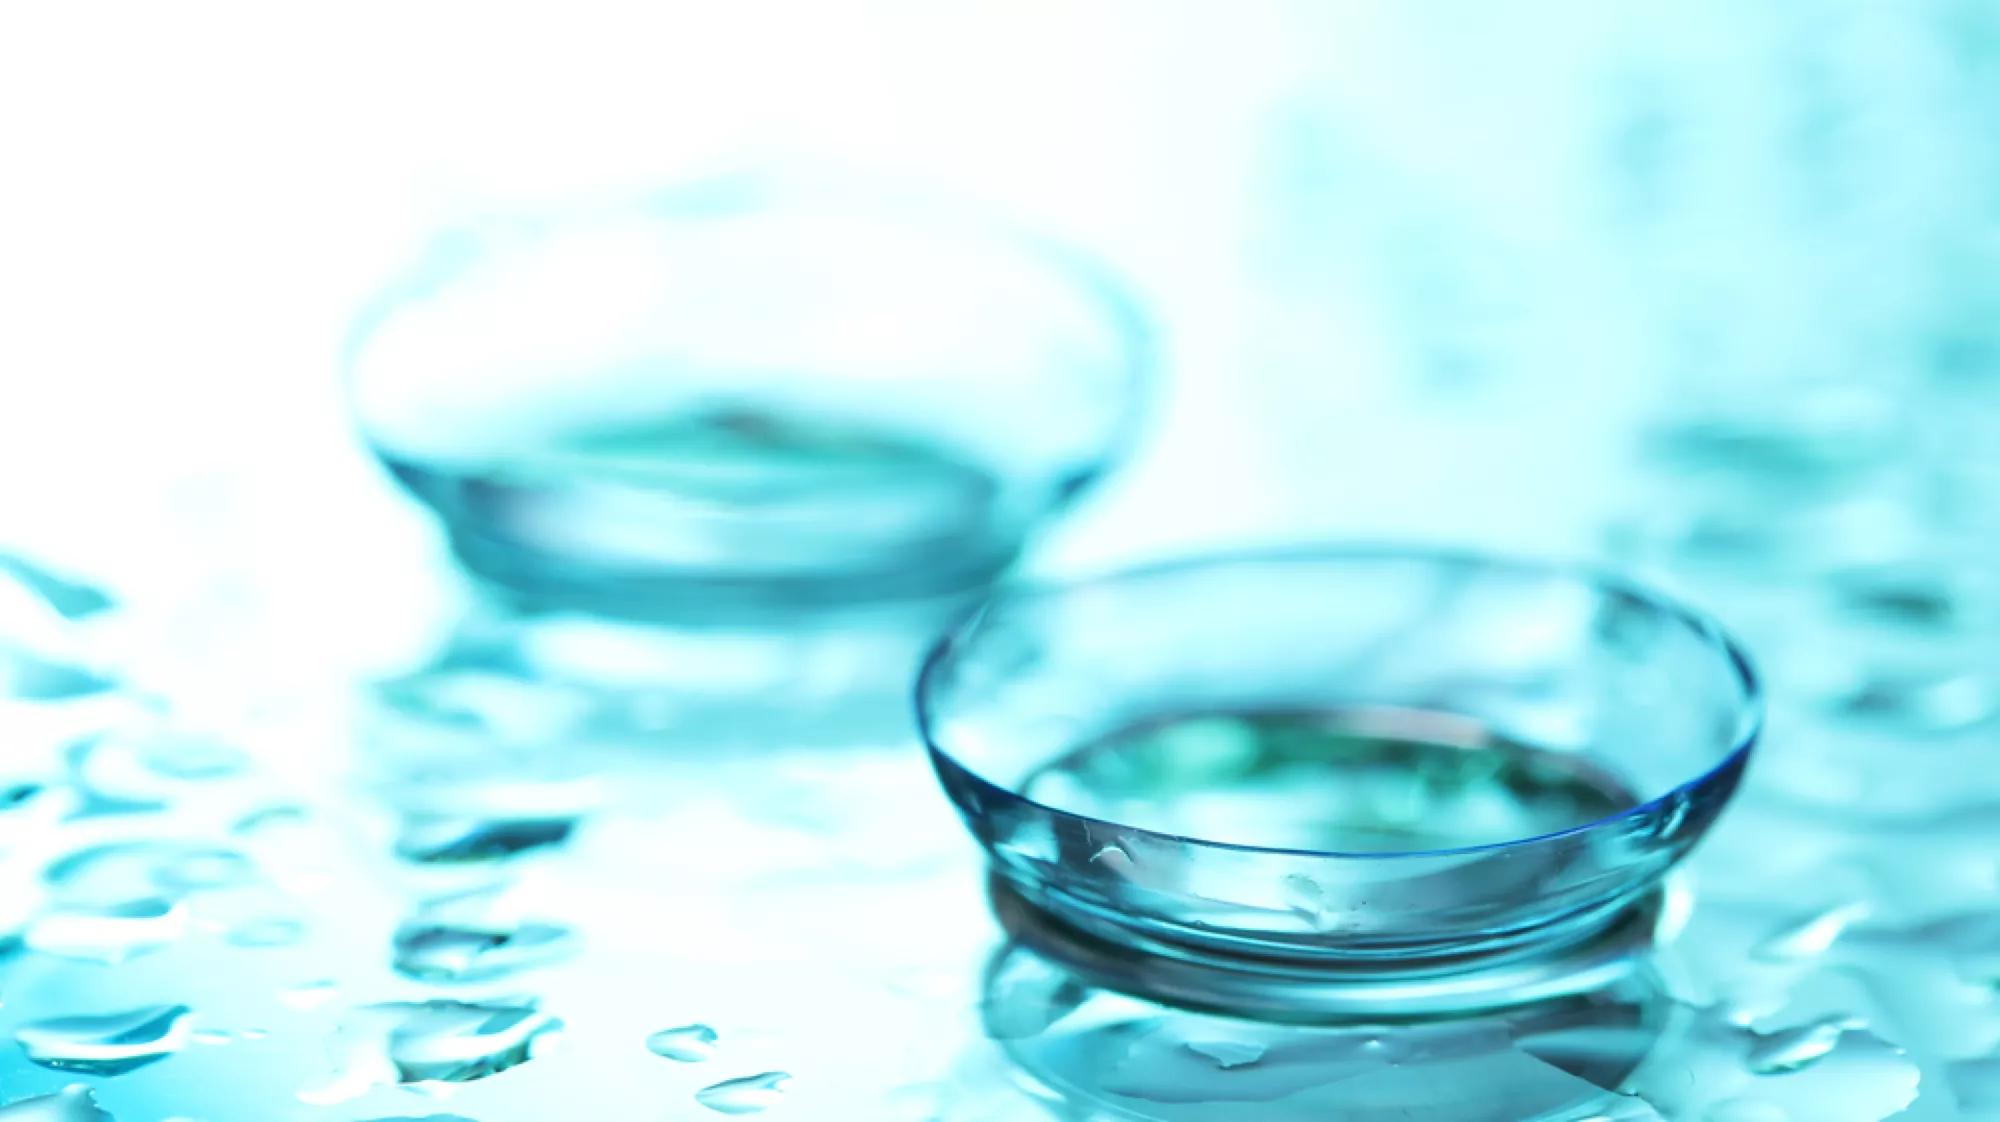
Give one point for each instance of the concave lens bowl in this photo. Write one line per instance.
(751, 398)
(1358, 755)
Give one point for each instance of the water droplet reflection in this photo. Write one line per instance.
(456, 841)
(689, 1044)
(106, 1044)
(1811, 936)
(1795, 1048)
(748, 1095)
(434, 952)
(71, 1104)
(111, 933)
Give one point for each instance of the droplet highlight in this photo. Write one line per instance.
(688, 1044)
(751, 1094)
(111, 933)
(461, 841)
(1812, 936)
(1796, 1048)
(106, 1044)
(434, 952)
(71, 1104)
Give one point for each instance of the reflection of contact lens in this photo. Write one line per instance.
(1371, 757)
(749, 402)
(1307, 991)
(1111, 1054)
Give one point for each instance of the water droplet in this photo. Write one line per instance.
(457, 1042)
(1900, 595)
(1113, 859)
(71, 1104)
(194, 758)
(690, 1044)
(1927, 702)
(309, 995)
(426, 1046)
(1811, 936)
(27, 675)
(1798, 1047)
(119, 872)
(106, 1044)
(454, 953)
(452, 841)
(748, 1095)
(110, 778)
(1307, 899)
(70, 597)
(109, 933)
(1228, 1053)
(198, 868)
(263, 818)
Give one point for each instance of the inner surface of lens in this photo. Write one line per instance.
(1346, 780)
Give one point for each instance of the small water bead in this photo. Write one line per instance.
(749, 1095)
(1856, 1077)
(198, 868)
(111, 933)
(1934, 703)
(1811, 936)
(122, 871)
(431, 840)
(1307, 899)
(1799, 1047)
(457, 1042)
(1904, 596)
(689, 1044)
(459, 953)
(110, 777)
(428, 1045)
(71, 597)
(1114, 859)
(268, 817)
(106, 1044)
(71, 1104)
(194, 758)
(29, 676)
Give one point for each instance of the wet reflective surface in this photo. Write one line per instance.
(282, 838)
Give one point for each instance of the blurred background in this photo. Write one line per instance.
(1706, 291)
(1419, 269)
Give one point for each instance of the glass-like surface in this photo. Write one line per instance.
(1345, 781)
(1350, 753)
(746, 400)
